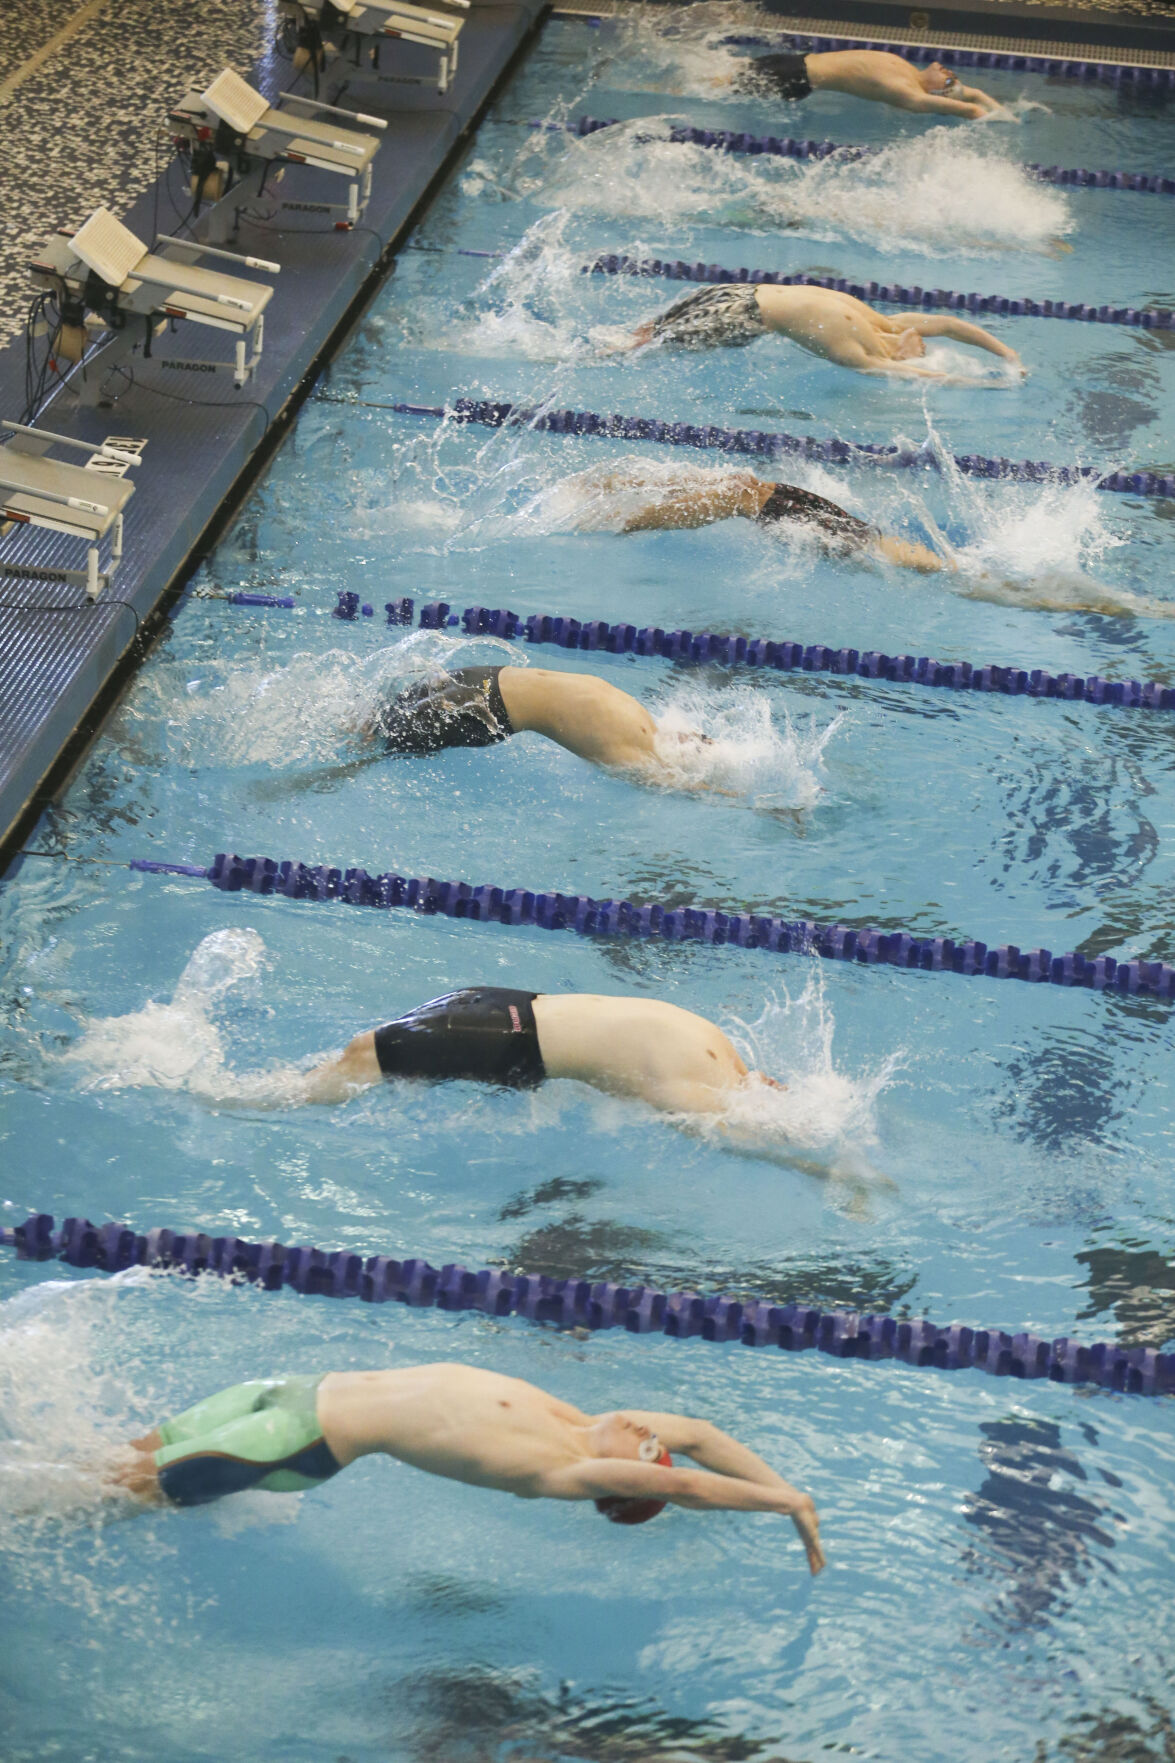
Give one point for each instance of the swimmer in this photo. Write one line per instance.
(826, 323)
(726, 495)
(873, 74)
(286, 1434)
(480, 706)
(637, 1047)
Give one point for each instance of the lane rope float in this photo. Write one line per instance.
(487, 903)
(891, 293)
(762, 443)
(849, 152)
(707, 648)
(596, 1305)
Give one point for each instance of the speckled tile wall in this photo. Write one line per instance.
(80, 128)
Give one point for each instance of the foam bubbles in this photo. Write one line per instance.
(312, 709)
(824, 1120)
(942, 194)
(750, 750)
(177, 1045)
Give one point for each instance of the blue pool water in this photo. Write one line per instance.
(999, 1581)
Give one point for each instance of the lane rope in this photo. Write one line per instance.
(1115, 72)
(486, 903)
(764, 443)
(892, 293)
(707, 648)
(787, 147)
(596, 1305)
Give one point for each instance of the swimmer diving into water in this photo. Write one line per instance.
(638, 1047)
(480, 706)
(872, 74)
(700, 501)
(834, 326)
(286, 1434)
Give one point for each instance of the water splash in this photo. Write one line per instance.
(749, 750)
(177, 1045)
(317, 706)
(941, 195)
(824, 1121)
(52, 1448)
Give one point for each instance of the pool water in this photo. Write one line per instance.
(999, 1154)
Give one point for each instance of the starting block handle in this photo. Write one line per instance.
(47, 435)
(291, 99)
(214, 251)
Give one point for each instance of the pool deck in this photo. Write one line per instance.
(61, 657)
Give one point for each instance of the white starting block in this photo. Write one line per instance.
(234, 136)
(380, 20)
(85, 501)
(107, 270)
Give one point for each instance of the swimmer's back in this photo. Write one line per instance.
(637, 1047)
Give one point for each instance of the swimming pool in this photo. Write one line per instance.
(969, 1525)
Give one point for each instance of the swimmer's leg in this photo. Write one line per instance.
(356, 1068)
(273, 1441)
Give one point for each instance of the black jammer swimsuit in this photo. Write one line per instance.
(787, 502)
(487, 1034)
(464, 709)
(788, 74)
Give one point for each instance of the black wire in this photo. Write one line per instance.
(203, 403)
(299, 232)
(75, 606)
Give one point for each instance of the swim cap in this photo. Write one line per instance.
(620, 1510)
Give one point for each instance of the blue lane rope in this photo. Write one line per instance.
(893, 293)
(707, 648)
(485, 903)
(774, 445)
(1115, 72)
(582, 1303)
(787, 147)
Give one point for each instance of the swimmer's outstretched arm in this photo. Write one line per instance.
(697, 1490)
(972, 104)
(928, 324)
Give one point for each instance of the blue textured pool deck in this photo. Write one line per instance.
(58, 652)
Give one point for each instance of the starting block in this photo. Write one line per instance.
(232, 136)
(105, 272)
(312, 21)
(85, 501)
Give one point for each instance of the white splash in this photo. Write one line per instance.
(750, 750)
(314, 708)
(177, 1045)
(943, 194)
(60, 1405)
(824, 1120)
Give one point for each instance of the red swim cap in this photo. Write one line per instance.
(620, 1510)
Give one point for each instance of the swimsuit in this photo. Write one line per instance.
(787, 73)
(487, 1034)
(786, 502)
(726, 316)
(464, 709)
(263, 1434)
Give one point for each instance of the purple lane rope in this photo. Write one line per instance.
(486, 903)
(588, 1304)
(892, 293)
(787, 147)
(1113, 72)
(762, 443)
